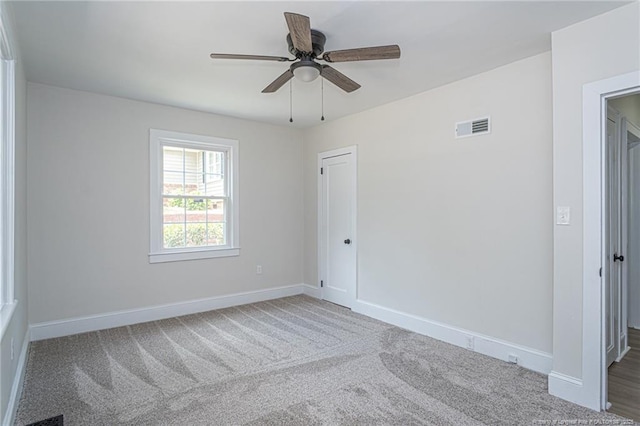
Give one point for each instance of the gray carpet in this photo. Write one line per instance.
(295, 360)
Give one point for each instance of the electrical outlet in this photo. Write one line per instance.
(12, 353)
(470, 343)
(258, 269)
(513, 359)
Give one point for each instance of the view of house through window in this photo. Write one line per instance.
(194, 197)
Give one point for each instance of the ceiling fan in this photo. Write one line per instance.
(307, 46)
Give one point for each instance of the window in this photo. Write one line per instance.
(7, 180)
(194, 197)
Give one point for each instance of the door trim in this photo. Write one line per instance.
(594, 381)
(353, 150)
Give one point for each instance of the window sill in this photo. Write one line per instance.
(192, 255)
(6, 313)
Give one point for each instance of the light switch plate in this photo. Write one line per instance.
(563, 215)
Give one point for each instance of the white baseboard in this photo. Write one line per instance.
(313, 291)
(568, 388)
(529, 358)
(16, 388)
(51, 329)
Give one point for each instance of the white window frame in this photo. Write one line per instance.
(158, 139)
(7, 178)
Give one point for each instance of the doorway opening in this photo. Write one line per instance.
(622, 253)
(600, 259)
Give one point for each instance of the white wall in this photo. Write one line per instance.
(88, 186)
(17, 328)
(453, 230)
(601, 47)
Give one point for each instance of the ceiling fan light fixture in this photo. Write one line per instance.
(306, 74)
(306, 70)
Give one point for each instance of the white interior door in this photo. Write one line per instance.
(612, 270)
(632, 258)
(337, 243)
(623, 330)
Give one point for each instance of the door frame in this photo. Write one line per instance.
(353, 150)
(593, 392)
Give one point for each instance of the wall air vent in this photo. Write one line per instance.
(479, 126)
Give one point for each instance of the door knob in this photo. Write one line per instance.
(616, 257)
(347, 241)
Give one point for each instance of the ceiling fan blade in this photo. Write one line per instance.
(278, 82)
(252, 57)
(339, 79)
(363, 54)
(300, 30)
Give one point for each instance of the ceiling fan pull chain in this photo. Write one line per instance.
(322, 97)
(290, 102)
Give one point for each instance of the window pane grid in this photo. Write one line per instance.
(195, 197)
(192, 208)
(194, 221)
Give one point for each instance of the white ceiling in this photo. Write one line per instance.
(159, 51)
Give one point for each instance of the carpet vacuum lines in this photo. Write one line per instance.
(296, 360)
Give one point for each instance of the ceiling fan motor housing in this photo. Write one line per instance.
(317, 42)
